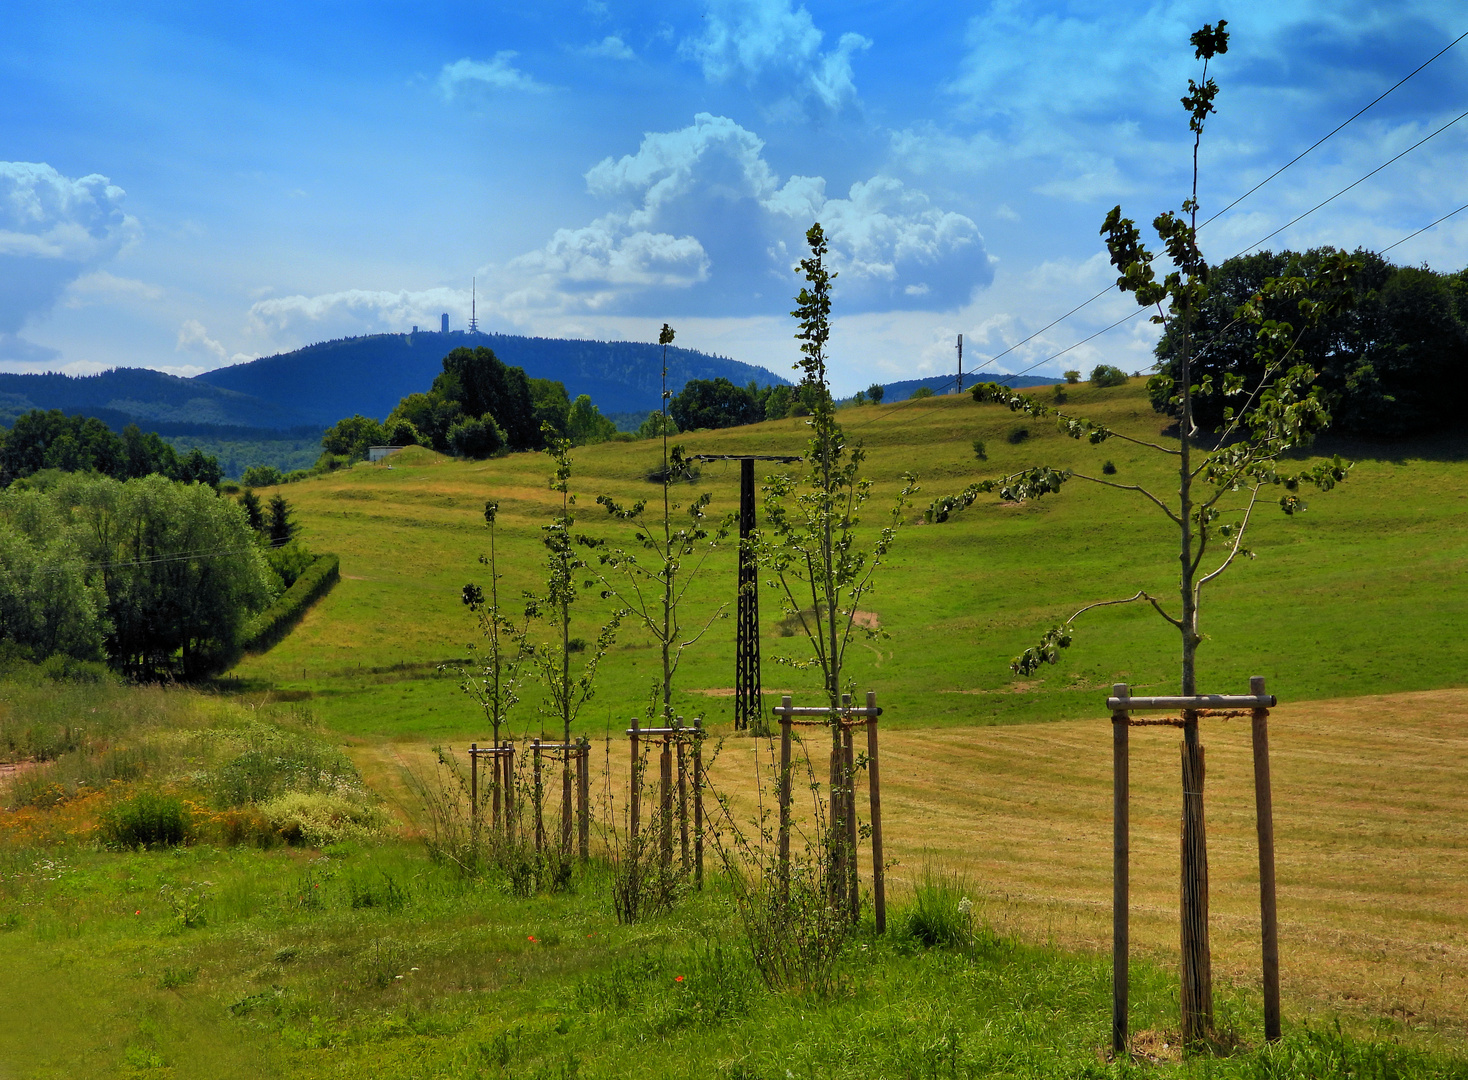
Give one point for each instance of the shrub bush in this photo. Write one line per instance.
(276, 621)
(920, 393)
(319, 818)
(149, 819)
(1018, 435)
(1106, 375)
(262, 476)
(477, 439)
(980, 451)
(1109, 468)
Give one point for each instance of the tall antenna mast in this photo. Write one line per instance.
(960, 363)
(473, 305)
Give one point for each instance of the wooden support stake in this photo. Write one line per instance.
(785, 797)
(837, 885)
(683, 802)
(634, 800)
(511, 802)
(1197, 975)
(583, 798)
(698, 802)
(848, 770)
(495, 788)
(566, 786)
(539, 793)
(474, 785)
(1264, 817)
(1121, 845)
(665, 763)
(874, 790)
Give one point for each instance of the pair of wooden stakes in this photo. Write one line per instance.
(844, 831)
(1197, 987)
(575, 755)
(677, 740)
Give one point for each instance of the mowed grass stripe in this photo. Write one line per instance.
(1371, 821)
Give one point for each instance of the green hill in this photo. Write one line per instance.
(1362, 594)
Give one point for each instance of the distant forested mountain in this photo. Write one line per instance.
(369, 375)
(941, 384)
(151, 399)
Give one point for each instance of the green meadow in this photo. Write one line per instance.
(1362, 594)
(349, 952)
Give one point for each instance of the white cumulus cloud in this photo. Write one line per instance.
(53, 230)
(700, 212)
(771, 46)
(494, 74)
(290, 320)
(610, 47)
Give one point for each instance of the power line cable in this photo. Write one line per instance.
(1349, 186)
(1318, 142)
(1424, 228)
(1337, 128)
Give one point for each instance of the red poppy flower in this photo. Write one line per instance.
(678, 978)
(530, 937)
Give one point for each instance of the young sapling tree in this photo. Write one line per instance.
(809, 542)
(565, 694)
(1221, 478)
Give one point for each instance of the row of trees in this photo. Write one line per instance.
(52, 440)
(1391, 363)
(159, 578)
(477, 406)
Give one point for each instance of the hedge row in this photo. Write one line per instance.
(276, 621)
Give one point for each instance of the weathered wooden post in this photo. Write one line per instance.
(510, 800)
(785, 797)
(848, 769)
(698, 802)
(1121, 844)
(1264, 818)
(634, 802)
(474, 787)
(1197, 975)
(682, 796)
(874, 788)
(583, 797)
(566, 812)
(494, 788)
(665, 763)
(539, 793)
(837, 885)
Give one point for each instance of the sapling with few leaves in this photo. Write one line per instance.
(650, 577)
(566, 693)
(809, 542)
(1222, 477)
(494, 681)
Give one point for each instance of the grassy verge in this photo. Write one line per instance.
(370, 959)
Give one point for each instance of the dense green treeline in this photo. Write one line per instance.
(158, 578)
(478, 406)
(52, 440)
(1393, 360)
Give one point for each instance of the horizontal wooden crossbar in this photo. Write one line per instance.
(667, 731)
(824, 710)
(1199, 701)
(784, 458)
(480, 751)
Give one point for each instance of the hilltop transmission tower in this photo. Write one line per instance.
(473, 305)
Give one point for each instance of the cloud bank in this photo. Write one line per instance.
(703, 219)
(53, 229)
(772, 47)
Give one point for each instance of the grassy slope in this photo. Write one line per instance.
(1360, 595)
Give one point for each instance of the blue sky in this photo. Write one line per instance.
(184, 186)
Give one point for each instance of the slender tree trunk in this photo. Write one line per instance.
(1197, 976)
